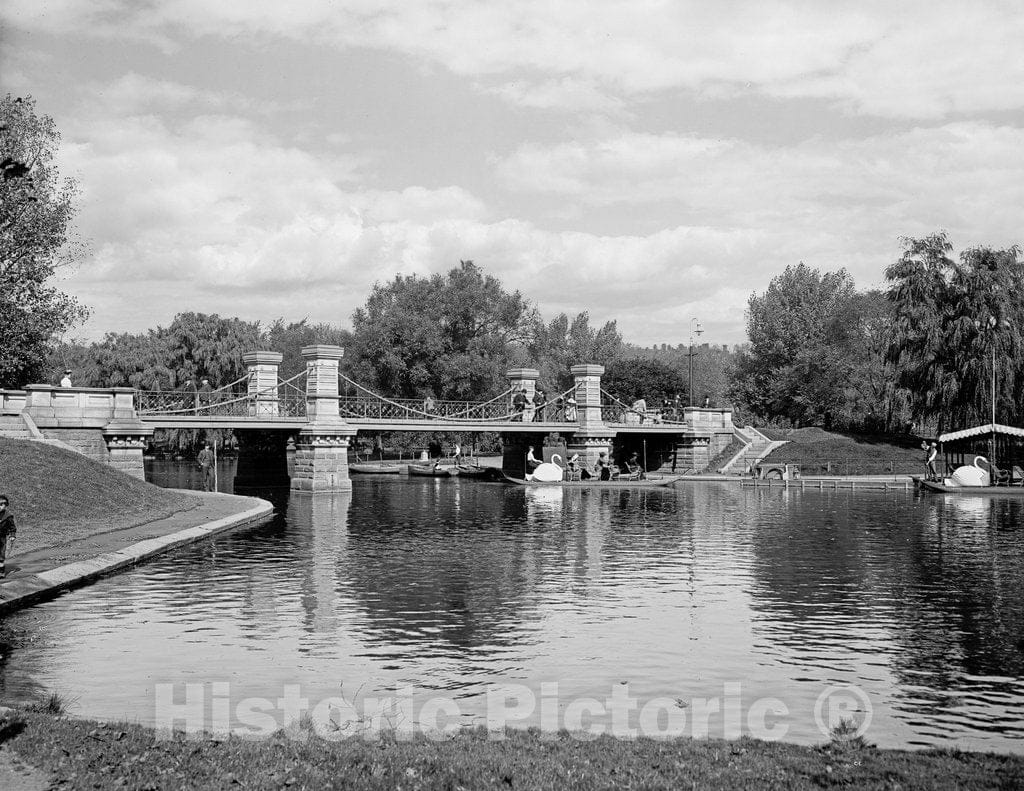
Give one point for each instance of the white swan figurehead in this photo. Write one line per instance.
(549, 472)
(972, 475)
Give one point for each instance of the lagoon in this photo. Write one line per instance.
(761, 600)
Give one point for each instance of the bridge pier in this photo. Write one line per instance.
(321, 449)
(593, 436)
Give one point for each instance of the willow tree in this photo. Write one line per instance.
(956, 322)
(36, 209)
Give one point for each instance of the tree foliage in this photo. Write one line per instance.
(450, 336)
(798, 360)
(631, 378)
(950, 317)
(558, 345)
(36, 209)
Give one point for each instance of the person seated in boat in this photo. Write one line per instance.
(631, 467)
(602, 468)
(531, 460)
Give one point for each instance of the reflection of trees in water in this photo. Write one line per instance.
(942, 577)
(453, 568)
(959, 590)
(473, 568)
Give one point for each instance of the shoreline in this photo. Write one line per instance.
(46, 572)
(73, 753)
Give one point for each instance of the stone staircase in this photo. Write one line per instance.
(758, 446)
(13, 427)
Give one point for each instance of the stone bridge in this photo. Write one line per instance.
(114, 424)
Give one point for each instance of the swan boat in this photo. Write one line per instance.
(551, 474)
(594, 483)
(971, 479)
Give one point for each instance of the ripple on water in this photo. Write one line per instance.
(453, 587)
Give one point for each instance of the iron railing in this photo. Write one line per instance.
(220, 404)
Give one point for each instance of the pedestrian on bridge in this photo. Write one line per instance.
(519, 405)
(539, 402)
(206, 461)
(205, 394)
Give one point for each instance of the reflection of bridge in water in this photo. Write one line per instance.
(321, 409)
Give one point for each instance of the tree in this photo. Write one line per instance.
(796, 365)
(560, 344)
(949, 319)
(631, 378)
(450, 336)
(35, 215)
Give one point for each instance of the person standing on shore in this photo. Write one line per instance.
(7, 533)
(205, 459)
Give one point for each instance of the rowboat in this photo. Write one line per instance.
(374, 468)
(429, 471)
(594, 483)
(479, 473)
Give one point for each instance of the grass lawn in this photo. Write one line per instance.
(83, 754)
(820, 452)
(58, 495)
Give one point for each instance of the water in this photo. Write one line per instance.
(672, 599)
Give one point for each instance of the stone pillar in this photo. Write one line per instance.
(263, 378)
(321, 460)
(520, 379)
(126, 443)
(322, 382)
(593, 436)
(321, 453)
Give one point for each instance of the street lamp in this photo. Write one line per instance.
(699, 330)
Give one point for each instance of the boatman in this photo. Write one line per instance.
(205, 459)
(7, 532)
(932, 452)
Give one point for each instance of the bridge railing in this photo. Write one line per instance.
(369, 408)
(220, 404)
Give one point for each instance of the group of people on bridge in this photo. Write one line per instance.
(561, 410)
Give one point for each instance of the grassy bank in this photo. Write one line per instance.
(59, 496)
(83, 754)
(823, 452)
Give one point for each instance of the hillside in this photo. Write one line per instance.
(58, 496)
(823, 452)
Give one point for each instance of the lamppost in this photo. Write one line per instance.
(699, 330)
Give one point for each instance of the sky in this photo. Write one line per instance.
(650, 161)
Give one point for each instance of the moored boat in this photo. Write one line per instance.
(374, 468)
(947, 487)
(476, 473)
(430, 471)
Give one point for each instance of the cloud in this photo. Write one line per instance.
(917, 59)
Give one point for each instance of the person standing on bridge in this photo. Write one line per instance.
(539, 402)
(206, 462)
(205, 393)
(66, 381)
(519, 405)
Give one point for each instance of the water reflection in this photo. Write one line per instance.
(455, 585)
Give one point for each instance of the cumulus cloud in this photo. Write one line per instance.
(918, 59)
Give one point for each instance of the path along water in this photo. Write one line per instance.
(760, 600)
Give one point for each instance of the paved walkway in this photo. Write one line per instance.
(45, 571)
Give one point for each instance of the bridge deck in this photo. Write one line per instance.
(396, 424)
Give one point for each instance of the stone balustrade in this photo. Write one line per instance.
(12, 401)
